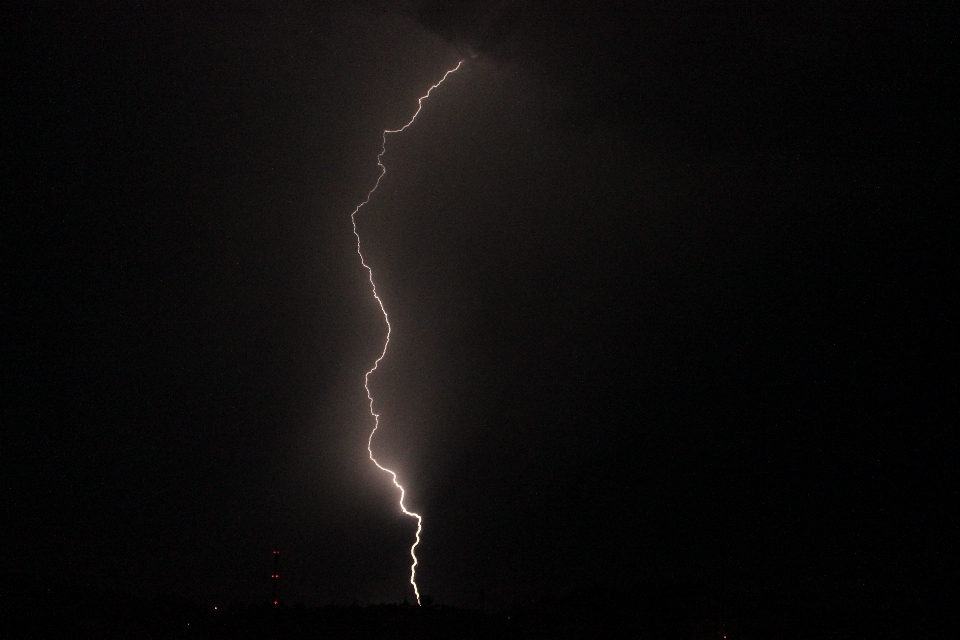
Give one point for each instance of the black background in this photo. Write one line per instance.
(671, 291)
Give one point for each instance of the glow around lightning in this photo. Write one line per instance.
(386, 342)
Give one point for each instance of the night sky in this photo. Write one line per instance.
(671, 288)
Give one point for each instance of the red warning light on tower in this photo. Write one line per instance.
(275, 577)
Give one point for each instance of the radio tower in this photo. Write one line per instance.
(275, 577)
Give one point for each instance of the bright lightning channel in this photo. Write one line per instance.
(386, 343)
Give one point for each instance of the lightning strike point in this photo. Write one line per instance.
(386, 343)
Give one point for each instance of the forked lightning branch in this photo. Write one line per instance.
(386, 342)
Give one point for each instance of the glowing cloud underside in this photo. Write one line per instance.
(386, 343)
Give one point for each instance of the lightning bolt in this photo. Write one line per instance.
(386, 343)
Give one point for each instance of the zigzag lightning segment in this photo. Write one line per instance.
(386, 343)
